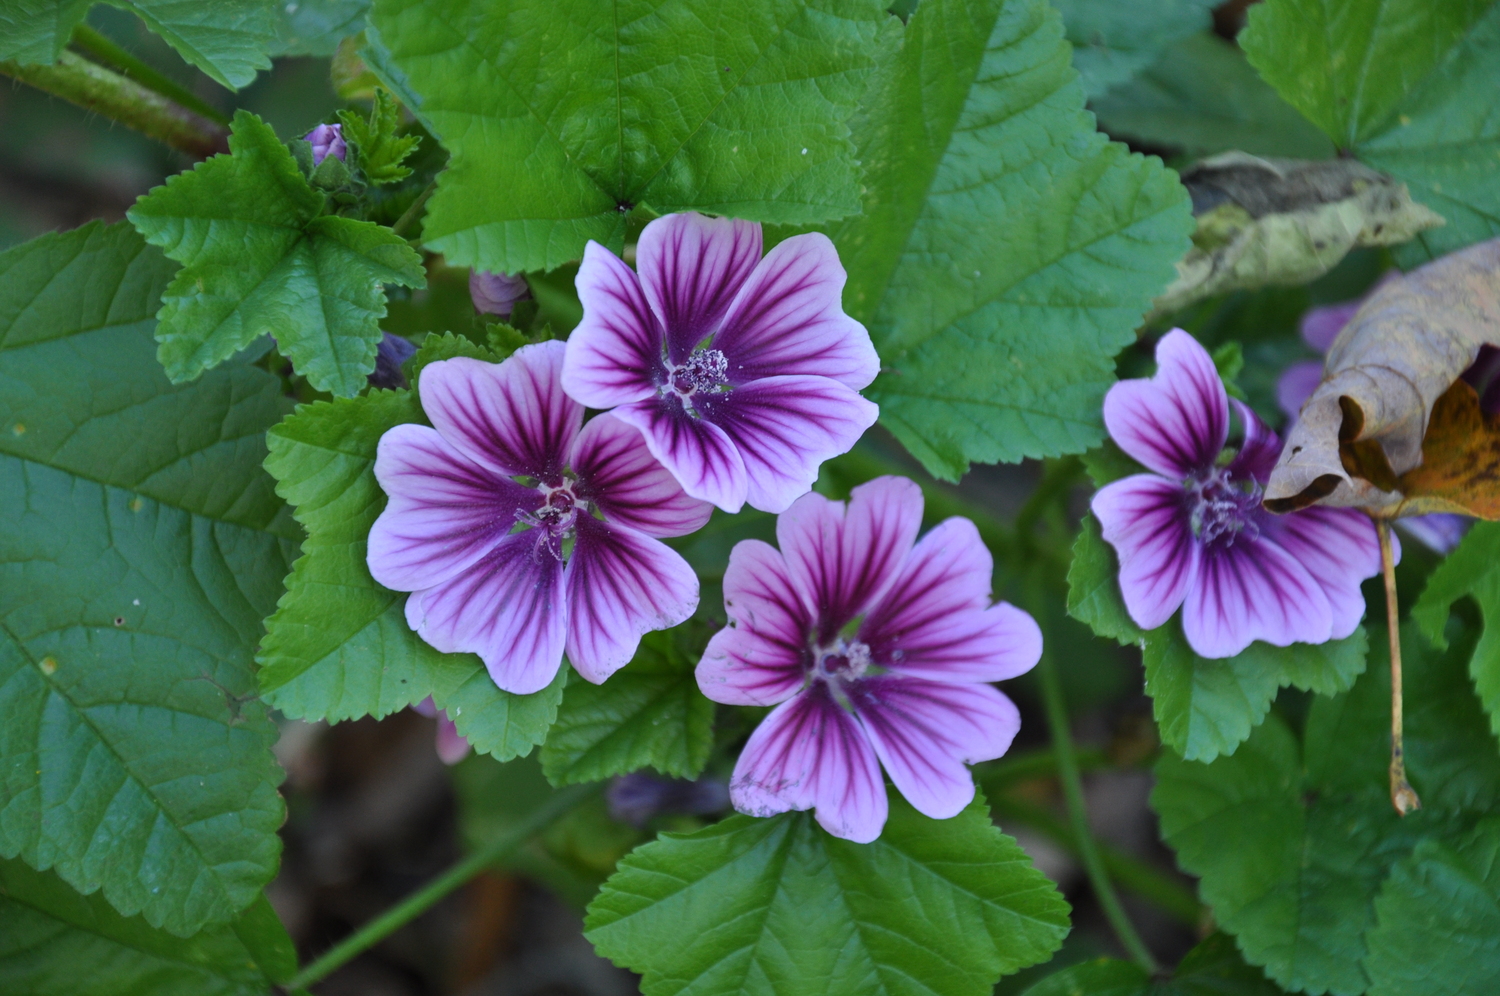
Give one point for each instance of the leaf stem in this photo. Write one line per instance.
(424, 898)
(103, 91)
(1403, 796)
(1088, 849)
(411, 214)
(103, 49)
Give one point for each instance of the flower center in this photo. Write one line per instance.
(560, 508)
(704, 371)
(841, 662)
(1222, 507)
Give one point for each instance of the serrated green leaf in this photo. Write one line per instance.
(1213, 968)
(258, 257)
(445, 347)
(1114, 41)
(562, 115)
(1206, 707)
(1406, 85)
(227, 39)
(375, 143)
(338, 646)
(1201, 96)
(1007, 250)
(1473, 569)
(55, 942)
(1292, 841)
(1438, 929)
(650, 715)
(1093, 589)
(1106, 463)
(763, 906)
(141, 548)
(315, 27)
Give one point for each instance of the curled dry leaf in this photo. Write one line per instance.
(1284, 221)
(1393, 428)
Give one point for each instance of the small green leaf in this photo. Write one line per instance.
(1007, 250)
(338, 646)
(1206, 707)
(258, 257)
(649, 715)
(375, 143)
(55, 942)
(445, 347)
(141, 547)
(1094, 589)
(1473, 570)
(1107, 463)
(691, 104)
(1213, 968)
(227, 39)
(1438, 929)
(1113, 41)
(778, 906)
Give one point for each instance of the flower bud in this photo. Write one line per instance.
(327, 140)
(495, 293)
(392, 352)
(638, 797)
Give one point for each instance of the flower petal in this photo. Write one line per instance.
(691, 267)
(1253, 590)
(1145, 518)
(1296, 385)
(1339, 549)
(784, 428)
(1437, 531)
(1260, 449)
(698, 453)
(923, 732)
(761, 657)
(1179, 419)
(935, 621)
(445, 511)
(451, 745)
(843, 556)
(617, 472)
(789, 319)
(621, 584)
(508, 608)
(1322, 325)
(811, 753)
(614, 355)
(511, 418)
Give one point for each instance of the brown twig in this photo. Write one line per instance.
(1403, 796)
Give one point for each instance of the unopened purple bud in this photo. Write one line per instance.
(495, 293)
(327, 140)
(637, 797)
(392, 352)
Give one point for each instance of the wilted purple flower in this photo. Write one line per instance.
(878, 653)
(451, 745)
(389, 355)
(1192, 532)
(327, 140)
(1438, 531)
(495, 293)
(639, 796)
(516, 570)
(742, 372)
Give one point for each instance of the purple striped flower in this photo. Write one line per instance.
(1192, 532)
(521, 532)
(874, 651)
(742, 372)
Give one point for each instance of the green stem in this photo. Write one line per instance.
(94, 88)
(997, 776)
(1088, 849)
(93, 43)
(410, 215)
(423, 899)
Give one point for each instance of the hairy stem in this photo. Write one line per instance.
(94, 88)
(102, 49)
(423, 899)
(411, 214)
(1403, 796)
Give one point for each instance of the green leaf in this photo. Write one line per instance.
(375, 144)
(1201, 96)
(763, 906)
(258, 257)
(1206, 707)
(1093, 589)
(338, 646)
(1213, 968)
(735, 109)
(1007, 250)
(1473, 569)
(1292, 841)
(315, 27)
(227, 39)
(650, 715)
(1107, 463)
(1406, 85)
(1113, 41)
(55, 942)
(141, 548)
(1438, 930)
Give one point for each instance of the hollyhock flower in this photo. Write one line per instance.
(742, 372)
(1192, 532)
(451, 745)
(521, 532)
(874, 651)
(495, 293)
(1438, 531)
(327, 140)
